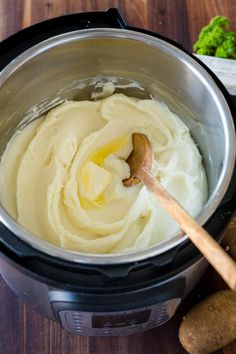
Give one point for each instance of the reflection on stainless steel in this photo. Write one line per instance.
(45, 73)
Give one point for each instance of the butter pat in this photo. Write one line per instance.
(95, 180)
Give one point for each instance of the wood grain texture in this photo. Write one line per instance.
(22, 330)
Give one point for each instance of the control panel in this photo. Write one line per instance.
(117, 323)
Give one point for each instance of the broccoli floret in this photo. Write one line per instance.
(215, 39)
(227, 49)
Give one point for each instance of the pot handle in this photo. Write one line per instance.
(113, 18)
(14, 45)
(110, 18)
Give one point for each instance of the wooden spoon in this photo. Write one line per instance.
(140, 162)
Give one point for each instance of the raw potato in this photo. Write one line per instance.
(211, 324)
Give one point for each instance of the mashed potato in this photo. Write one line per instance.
(61, 176)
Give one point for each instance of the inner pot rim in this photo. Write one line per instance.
(227, 169)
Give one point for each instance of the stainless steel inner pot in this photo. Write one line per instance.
(70, 65)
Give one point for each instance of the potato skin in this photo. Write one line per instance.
(211, 324)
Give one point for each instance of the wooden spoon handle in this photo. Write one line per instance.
(212, 251)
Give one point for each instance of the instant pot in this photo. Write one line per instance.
(69, 58)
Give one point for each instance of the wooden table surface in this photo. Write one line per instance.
(23, 331)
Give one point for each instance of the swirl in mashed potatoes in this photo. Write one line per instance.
(61, 176)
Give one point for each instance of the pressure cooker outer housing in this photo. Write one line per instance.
(172, 271)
